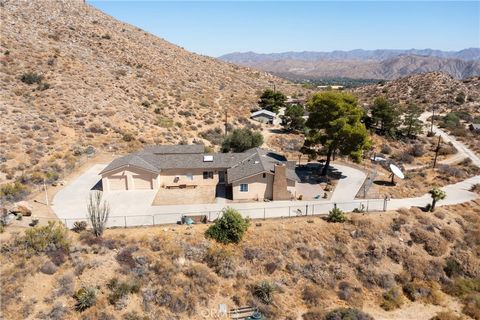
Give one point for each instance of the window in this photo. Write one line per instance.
(189, 176)
(264, 175)
(243, 187)
(207, 174)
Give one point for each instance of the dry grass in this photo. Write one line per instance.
(314, 267)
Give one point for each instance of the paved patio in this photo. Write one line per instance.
(200, 194)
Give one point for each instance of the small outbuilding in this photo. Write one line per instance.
(264, 116)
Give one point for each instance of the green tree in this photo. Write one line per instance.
(385, 115)
(293, 118)
(336, 216)
(437, 195)
(272, 100)
(230, 228)
(334, 123)
(242, 139)
(411, 122)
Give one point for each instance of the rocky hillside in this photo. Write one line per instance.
(426, 90)
(72, 76)
(349, 65)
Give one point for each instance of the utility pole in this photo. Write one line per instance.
(436, 151)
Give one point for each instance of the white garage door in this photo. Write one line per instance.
(117, 183)
(142, 182)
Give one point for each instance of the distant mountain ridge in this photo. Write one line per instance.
(357, 54)
(362, 64)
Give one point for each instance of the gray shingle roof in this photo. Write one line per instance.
(259, 161)
(238, 165)
(175, 149)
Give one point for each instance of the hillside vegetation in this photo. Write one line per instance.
(396, 265)
(73, 77)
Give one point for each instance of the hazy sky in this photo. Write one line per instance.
(218, 27)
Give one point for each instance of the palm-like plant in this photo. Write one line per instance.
(437, 195)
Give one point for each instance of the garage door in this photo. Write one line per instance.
(142, 182)
(118, 183)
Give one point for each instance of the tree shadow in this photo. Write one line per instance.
(384, 183)
(310, 173)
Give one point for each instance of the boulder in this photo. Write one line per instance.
(23, 208)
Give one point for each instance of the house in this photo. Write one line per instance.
(475, 127)
(264, 116)
(255, 174)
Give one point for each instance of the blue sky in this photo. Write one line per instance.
(218, 27)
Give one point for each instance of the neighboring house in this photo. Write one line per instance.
(255, 174)
(293, 101)
(264, 116)
(475, 127)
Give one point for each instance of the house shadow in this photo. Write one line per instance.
(384, 183)
(98, 186)
(311, 173)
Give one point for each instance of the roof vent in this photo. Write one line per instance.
(257, 162)
(208, 158)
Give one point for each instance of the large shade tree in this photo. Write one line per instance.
(335, 126)
(293, 119)
(272, 100)
(386, 116)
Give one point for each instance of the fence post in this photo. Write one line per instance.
(125, 220)
(289, 210)
(153, 220)
(306, 209)
(367, 206)
(209, 219)
(264, 212)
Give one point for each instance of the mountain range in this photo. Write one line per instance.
(361, 64)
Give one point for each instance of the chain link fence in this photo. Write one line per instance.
(266, 212)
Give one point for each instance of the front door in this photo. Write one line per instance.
(221, 176)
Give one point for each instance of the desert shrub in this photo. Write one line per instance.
(12, 192)
(446, 149)
(230, 228)
(51, 237)
(121, 289)
(446, 315)
(314, 314)
(336, 216)
(241, 140)
(434, 245)
(312, 295)
(215, 136)
(125, 257)
(451, 171)
(404, 157)
(79, 226)
(347, 314)
(85, 298)
(386, 149)
(132, 315)
(452, 268)
(202, 278)
(48, 268)
(417, 150)
(58, 256)
(264, 291)
(31, 78)
(222, 261)
(471, 306)
(392, 299)
(97, 128)
(254, 253)
(128, 137)
(461, 287)
(416, 291)
(66, 285)
(449, 234)
(164, 122)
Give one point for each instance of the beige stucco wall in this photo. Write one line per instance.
(259, 188)
(167, 177)
(129, 173)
